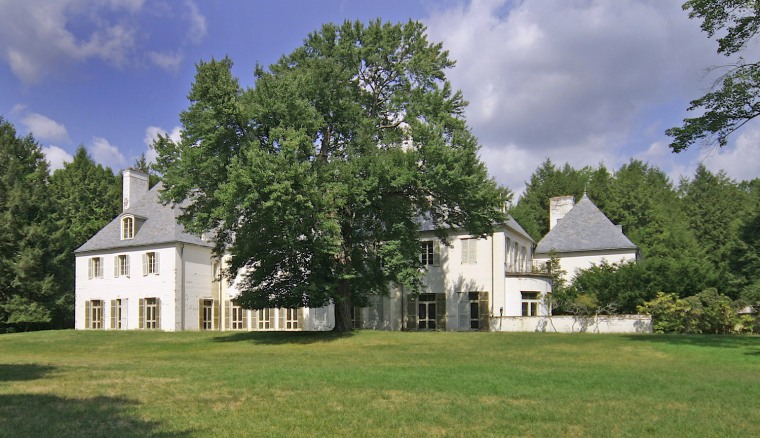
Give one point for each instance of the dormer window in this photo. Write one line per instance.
(127, 227)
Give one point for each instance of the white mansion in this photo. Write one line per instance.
(143, 271)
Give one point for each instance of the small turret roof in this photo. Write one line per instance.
(584, 228)
(156, 224)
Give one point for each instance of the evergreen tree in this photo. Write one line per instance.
(28, 291)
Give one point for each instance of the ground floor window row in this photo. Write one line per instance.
(238, 318)
(149, 314)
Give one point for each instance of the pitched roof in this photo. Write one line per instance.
(426, 224)
(156, 224)
(584, 228)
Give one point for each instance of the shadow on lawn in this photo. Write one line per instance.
(278, 338)
(49, 415)
(747, 342)
(10, 371)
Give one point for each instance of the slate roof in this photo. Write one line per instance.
(427, 225)
(584, 228)
(156, 224)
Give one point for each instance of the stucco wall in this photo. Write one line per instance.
(572, 262)
(130, 289)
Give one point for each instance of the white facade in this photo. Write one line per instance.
(572, 262)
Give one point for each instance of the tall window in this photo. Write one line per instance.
(530, 303)
(150, 263)
(117, 314)
(430, 253)
(237, 318)
(469, 251)
(208, 313)
(93, 318)
(149, 314)
(264, 318)
(127, 227)
(95, 267)
(121, 265)
(426, 312)
(291, 319)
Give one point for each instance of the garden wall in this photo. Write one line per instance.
(574, 324)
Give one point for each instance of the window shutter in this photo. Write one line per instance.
(155, 255)
(483, 310)
(101, 267)
(141, 314)
(89, 268)
(436, 253)
(145, 264)
(87, 311)
(473, 251)
(158, 313)
(281, 317)
(464, 311)
(114, 314)
(228, 315)
(411, 314)
(216, 312)
(126, 264)
(440, 311)
(271, 312)
(254, 314)
(116, 266)
(300, 318)
(124, 309)
(200, 315)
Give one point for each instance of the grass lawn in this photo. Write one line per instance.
(69, 383)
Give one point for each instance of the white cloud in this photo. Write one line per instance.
(740, 160)
(167, 61)
(106, 154)
(45, 128)
(197, 29)
(574, 81)
(56, 156)
(151, 135)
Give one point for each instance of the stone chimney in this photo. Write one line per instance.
(134, 188)
(558, 208)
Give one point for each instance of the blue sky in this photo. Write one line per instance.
(584, 82)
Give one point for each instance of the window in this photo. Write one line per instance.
(430, 253)
(118, 313)
(473, 311)
(237, 317)
(150, 263)
(356, 317)
(426, 312)
(127, 227)
(290, 319)
(523, 259)
(95, 267)
(264, 318)
(121, 266)
(93, 318)
(208, 314)
(530, 302)
(469, 251)
(150, 313)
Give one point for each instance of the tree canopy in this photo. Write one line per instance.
(317, 179)
(735, 99)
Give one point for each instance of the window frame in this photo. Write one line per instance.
(95, 267)
(127, 227)
(121, 265)
(530, 303)
(151, 264)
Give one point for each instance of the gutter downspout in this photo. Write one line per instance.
(182, 286)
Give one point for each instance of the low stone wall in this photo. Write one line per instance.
(574, 324)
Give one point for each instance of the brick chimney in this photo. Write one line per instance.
(558, 208)
(135, 186)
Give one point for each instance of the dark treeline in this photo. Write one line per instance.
(44, 217)
(700, 234)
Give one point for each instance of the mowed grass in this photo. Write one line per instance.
(369, 383)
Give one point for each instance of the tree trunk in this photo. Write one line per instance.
(343, 308)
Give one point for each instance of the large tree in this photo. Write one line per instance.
(28, 291)
(316, 180)
(735, 100)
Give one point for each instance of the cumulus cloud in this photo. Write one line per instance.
(56, 156)
(740, 160)
(106, 154)
(151, 135)
(568, 80)
(45, 128)
(39, 37)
